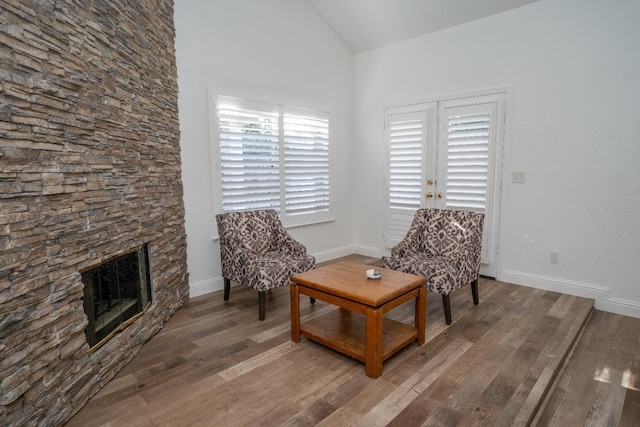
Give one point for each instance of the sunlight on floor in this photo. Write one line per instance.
(628, 379)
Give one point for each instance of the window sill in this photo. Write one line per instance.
(331, 218)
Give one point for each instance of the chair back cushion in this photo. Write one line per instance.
(257, 230)
(442, 232)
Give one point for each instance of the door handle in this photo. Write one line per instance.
(439, 195)
(429, 195)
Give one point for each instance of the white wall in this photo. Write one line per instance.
(574, 70)
(270, 49)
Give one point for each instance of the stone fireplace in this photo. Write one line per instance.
(89, 170)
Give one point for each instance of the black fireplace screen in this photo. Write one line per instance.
(115, 294)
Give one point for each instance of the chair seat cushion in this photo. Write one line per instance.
(273, 269)
(440, 272)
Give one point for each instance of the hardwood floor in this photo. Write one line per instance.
(215, 363)
(601, 384)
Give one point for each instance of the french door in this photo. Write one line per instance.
(446, 154)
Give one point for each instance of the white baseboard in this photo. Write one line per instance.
(325, 256)
(348, 250)
(600, 294)
(367, 251)
(217, 283)
(586, 290)
(552, 284)
(621, 306)
(206, 286)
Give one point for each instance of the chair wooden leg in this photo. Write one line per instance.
(227, 288)
(261, 303)
(474, 291)
(447, 308)
(312, 300)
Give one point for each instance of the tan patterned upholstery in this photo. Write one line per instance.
(257, 251)
(444, 247)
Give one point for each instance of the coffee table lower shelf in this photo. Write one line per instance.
(346, 331)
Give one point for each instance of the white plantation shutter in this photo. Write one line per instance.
(406, 136)
(306, 162)
(249, 159)
(407, 132)
(468, 134)
(269, 156)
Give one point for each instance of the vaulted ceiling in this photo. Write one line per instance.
(369, 24)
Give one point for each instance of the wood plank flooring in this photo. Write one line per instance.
(216, 364)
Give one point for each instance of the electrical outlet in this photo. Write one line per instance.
(518, 177)
(553, 257)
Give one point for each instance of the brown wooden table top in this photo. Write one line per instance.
(348, 280)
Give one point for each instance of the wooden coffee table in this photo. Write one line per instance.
(371, 338)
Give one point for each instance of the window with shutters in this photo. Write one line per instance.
(443, 154)
(271, 156)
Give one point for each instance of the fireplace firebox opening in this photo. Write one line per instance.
(116, 293)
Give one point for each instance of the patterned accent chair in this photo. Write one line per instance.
(257, 251)
(444, 247)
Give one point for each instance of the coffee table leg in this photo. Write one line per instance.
(295, 313)
(373, 363)
(421, 314)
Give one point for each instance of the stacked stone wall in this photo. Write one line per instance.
(89, 169)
